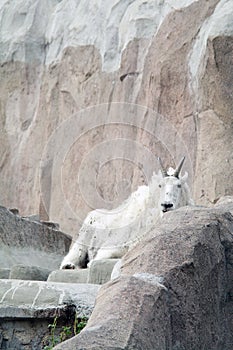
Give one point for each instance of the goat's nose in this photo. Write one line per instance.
(166, 206)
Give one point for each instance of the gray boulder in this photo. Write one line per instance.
(69, 276)
(98, 273)
(4, 273)
(30, 243)
(32, 273)
(175, 291)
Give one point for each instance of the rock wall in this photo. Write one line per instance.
(91, 93)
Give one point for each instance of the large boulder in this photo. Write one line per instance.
(175, 289)
(31, 273)
(30, 243)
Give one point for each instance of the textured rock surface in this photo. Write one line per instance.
(31, 334)
(27, 308)
(30, 243)
(31, 273)
(175, 291)
(69, 276)
(98, 273)
(100, 270)
(60, 57)
(4, 273)
(28, 299)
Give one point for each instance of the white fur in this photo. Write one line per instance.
(111, 233)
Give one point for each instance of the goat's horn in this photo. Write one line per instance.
(164, 173)
(178, 169)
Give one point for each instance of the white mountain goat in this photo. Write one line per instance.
(111, 233)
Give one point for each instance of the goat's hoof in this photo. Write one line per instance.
(68, 266)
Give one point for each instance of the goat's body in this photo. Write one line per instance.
(111, 233)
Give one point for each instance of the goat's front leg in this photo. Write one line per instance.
(76, 258)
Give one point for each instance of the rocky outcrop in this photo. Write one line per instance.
(27, 308)
(37, 299)
(158, 77)
(30, 243)
(29, 251)
(175, 290)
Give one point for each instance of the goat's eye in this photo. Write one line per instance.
(179, 185)
(159, 186)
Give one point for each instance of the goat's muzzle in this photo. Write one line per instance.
(166, 207)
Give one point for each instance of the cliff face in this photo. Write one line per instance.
(91, 93)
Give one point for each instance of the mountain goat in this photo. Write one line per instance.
(111, 233)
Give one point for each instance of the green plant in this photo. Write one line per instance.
(54, 340)
(66, 332)
(79, 324)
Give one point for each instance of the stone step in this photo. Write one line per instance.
(27, 308)
(69, 276)
(28, 299)
(4, 273)
(99, 272)
(32, 273)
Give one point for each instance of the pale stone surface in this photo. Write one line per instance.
(27, 308)
(107, 26)
(99, 272)
(61, 57)
(35, 299)
(69, 276)
(31, 273)
(175, 290)
(4, 273)
(30, 243)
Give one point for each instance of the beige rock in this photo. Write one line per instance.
(175, 291)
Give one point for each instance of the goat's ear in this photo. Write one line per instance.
(184, 177)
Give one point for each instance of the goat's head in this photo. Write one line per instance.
(171, 188)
